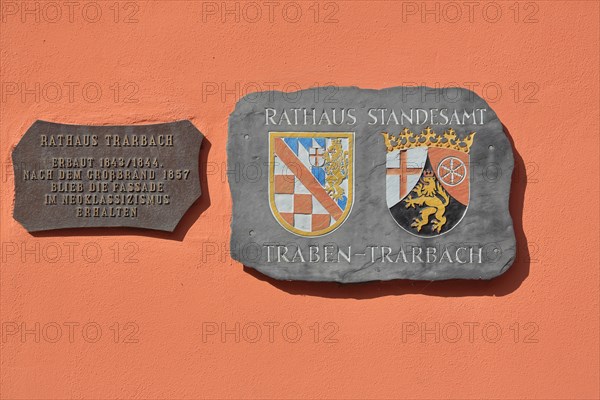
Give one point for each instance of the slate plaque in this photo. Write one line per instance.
(75, 176)
(353, 185)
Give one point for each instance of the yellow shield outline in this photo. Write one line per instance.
(350, 194)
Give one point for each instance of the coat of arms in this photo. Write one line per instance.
(311, 180)
(427, 180)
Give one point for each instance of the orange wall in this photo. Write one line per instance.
(176, 62)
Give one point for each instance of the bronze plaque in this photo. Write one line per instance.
(76, 176)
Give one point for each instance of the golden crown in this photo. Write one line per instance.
(428, 138)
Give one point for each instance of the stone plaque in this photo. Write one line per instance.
(75, 176)
(353, 185)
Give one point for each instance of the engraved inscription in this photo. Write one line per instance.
(106, 176)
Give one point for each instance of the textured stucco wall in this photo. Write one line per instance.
(177, 300)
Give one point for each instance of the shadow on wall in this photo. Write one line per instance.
(500, 286)
(188, 219)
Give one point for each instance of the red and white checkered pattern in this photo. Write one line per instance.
(297, 206)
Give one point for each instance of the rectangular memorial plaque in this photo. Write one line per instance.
(73, 176)
(358, 185)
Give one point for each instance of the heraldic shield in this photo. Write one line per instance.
(311, 182)
(427, 180)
